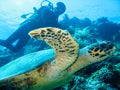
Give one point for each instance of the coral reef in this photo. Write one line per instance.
(104, 26)
(75, 22)
(107, 74)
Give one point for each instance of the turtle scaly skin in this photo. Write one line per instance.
(60, 70)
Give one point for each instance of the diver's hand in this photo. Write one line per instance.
(35, 9)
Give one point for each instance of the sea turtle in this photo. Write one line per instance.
(48, 69)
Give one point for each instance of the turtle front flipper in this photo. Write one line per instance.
(64, 45)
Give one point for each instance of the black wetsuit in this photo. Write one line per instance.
(43, 17)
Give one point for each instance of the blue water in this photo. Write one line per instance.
(11, 10)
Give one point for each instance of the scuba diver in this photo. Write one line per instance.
(45, 16)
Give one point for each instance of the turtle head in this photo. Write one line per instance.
(91, 54)
(101, 51)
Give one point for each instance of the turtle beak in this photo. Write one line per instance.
(34, 33)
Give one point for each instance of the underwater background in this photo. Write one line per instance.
(10, 14)
(88, 21)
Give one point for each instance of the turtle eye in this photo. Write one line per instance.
(103, 45)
